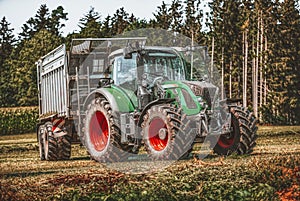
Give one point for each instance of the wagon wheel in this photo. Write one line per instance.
(53, 148)
(41, 136)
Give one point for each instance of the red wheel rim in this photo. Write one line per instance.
(225, 141)
(99, 132)
(156, 142)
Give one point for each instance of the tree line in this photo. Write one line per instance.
(255, 44)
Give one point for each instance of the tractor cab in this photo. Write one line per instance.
(146, 67)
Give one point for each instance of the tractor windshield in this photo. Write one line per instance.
(151, 63)
(166, 64)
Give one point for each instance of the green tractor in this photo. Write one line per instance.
(124, 97)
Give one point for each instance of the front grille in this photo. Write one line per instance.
(198, 91)
(205, 90)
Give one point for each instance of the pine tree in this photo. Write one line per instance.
(90, 24)
(226, 34)
(40, 34)
(24, 80)
(7, 42)
(245, 29)
(119, 21)
(290, 24)
(192, 24)
(36, 23)
(176, 11)
(285, 83)
(44, 20)
(162, 17)
(135, 23)
(55, 24)
(106, 28)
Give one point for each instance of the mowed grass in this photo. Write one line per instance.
(271, 173)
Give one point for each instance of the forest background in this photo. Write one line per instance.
(255, 44)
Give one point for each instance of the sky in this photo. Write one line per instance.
(17, 12)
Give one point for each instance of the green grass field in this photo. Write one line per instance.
(272, 172)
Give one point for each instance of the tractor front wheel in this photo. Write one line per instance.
(163, 133)
(242, 137)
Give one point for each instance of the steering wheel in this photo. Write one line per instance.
(155, 81)
(161, 78)
(156, 78)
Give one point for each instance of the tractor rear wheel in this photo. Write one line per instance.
(163, 133)
(242, 138)
(102, 136)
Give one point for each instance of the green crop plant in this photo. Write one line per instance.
(18, 120)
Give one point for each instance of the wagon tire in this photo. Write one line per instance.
(53, 148)
(50, 143)
(41, 136)
(64, 144)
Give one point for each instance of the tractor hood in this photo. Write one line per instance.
(207, 91)
(192, 94)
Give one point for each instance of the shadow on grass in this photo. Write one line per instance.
(80, 158)
(27, 174)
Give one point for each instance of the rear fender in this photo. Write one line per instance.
(119, 102)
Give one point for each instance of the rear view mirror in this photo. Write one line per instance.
(127, 53)
(108, 69)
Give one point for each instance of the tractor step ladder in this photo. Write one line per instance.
(82, 90)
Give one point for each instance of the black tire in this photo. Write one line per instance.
(163, 133)
(58, 148)
(249, 122)
(64, 147)
(108, 133)
(50, 143)
(41, 136)
(187, 154)
(242, 139)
